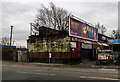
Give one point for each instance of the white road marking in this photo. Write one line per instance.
(52, 74)
(35, 73)
(14, 65)
(107, 69)
(38, 70)
(31, 73)
(98, 78)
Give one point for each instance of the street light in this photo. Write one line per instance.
(11, 34)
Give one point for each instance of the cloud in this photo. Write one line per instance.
(19, 16)
(106, 13)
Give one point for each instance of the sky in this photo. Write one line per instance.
(21, 13)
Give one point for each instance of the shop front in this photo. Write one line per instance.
(86, 52)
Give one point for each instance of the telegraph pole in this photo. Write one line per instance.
(30, 29)
(11, 35)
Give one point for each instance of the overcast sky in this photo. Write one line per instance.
(21, 13)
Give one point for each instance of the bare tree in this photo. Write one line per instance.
(116, 34)
(52, 17)
(101, 28)
(5, 41)
(98, 27)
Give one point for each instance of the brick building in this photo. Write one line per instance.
(63, 47)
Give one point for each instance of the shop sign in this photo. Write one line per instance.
(80, 29)
(73, 44)
(114, 41)
(103, 56)
(86, 46)
(50, 55)
(103, 51)
(98, 47)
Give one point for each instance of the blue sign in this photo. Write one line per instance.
(105, 51)
(6, 46)
(116, 41)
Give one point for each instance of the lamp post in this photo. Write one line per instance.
(11, 35)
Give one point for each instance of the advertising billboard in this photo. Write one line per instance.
(103, 56)
(82, 30)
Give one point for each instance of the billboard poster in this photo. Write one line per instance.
(104, 54)
(82, 30)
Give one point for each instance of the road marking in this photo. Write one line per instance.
(35, 73)
(107, 69)
(52, 74)
(31, 73)
(98, 78)
(21, 72)
(14, 65)
(38, 70)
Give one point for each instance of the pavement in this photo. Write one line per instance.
(81, 65)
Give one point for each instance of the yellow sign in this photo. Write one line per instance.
(104, 54)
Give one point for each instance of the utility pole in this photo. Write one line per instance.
(30, 29)
(11, 35)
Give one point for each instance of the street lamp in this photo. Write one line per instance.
(11, 34)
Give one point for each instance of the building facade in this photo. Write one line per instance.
(65, 46)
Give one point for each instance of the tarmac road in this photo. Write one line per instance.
(14, 71)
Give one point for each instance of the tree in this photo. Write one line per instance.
(98, 27)
(52, 17)
(116, 34)
(5, 41)
(101, 28)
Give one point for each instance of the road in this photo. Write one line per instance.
(16, 71)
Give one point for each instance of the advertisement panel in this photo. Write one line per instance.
(103, 56)
(82, 30)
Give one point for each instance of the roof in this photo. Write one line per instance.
(45, 31)
(105, 36)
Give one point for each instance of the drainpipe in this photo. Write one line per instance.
(71, 50)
